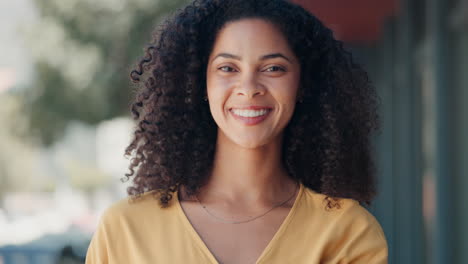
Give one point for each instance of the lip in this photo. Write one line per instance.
(251, 107)
(251, 121)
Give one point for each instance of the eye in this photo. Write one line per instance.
(226, 69)
(275, 69)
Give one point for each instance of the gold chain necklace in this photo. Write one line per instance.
(250, 219)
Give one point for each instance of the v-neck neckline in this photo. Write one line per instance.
(271, 244)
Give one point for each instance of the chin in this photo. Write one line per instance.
(246, 139)
(250, 143)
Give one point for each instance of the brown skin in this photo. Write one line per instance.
(247, 165)
(248, 177)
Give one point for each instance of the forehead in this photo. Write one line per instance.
(251, 36)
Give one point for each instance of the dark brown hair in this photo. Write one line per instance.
(327, 142)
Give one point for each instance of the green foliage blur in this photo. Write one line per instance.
(83, 51)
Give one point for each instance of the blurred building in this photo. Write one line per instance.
(416, 52)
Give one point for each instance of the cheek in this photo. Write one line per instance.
(218, 89)
(218, 93)
(286, 91)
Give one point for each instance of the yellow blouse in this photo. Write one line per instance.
(141, 232)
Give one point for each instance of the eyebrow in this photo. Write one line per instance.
(264, 57)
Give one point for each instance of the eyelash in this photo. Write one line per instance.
(267, 70)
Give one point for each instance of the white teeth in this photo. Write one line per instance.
(249, 113)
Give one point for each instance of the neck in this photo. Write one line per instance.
(244, 175)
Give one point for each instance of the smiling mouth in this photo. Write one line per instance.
(250, 113)
(250, 116)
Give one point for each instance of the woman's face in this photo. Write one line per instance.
(252, 82)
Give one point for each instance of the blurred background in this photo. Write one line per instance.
(65, 122)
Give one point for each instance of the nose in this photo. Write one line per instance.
(249, 86)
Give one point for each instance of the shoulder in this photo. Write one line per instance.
(133, 217)
(344, 210)
(130, 205)
(352, 232)
(129, 222)
(132, 209)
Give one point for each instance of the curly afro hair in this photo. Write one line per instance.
(327, 143)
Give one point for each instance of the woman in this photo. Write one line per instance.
(253, 137)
